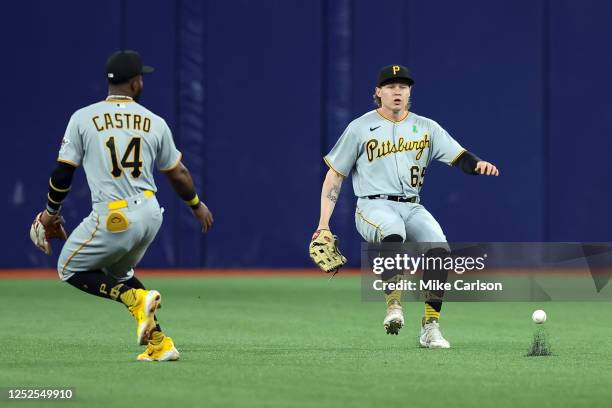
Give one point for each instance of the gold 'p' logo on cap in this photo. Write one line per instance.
(396, 69)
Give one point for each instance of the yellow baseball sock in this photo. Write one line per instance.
(157, 337)
(128, 297)
(394, 296)
(431, 313)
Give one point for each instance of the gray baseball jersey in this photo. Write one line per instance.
(387, 157)
(390, 158)
(118, 142)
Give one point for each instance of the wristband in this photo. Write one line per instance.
(194, 202)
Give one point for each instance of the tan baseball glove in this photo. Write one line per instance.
(324, 251)
(46, 227)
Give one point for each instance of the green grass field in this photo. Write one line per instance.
(297, 342)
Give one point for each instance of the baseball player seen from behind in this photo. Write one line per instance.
(387, 151)
(118, 142)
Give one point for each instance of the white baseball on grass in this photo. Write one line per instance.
(539, 316)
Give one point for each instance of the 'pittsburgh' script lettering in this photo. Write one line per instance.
(376, 149)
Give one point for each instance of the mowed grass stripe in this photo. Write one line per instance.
(298, 342)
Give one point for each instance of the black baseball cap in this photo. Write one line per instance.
(123, 65)
(394, 73)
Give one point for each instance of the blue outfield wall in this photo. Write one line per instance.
(257, 91)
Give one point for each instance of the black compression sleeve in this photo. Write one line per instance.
(467, 162)
(59, 186)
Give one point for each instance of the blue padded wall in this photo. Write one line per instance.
(257, 92)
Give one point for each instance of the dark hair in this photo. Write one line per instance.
(124, 82)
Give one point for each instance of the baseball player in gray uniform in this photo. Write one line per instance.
(118, 142)
(387, 152)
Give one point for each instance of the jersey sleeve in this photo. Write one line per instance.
(168, 156)
(344, 154)
(71, 150)
(444, 147)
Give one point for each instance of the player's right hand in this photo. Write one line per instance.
(46, 227)
(486, 168)
(204, 216)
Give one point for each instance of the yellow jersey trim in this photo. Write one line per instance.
(174, 166)
(68, 162)
(332, 167)
(457, 156)
(391, 120)
(83, 245)
(119, 98)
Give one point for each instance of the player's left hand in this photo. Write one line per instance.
(204, 216)
(45, 227)
(324, 251)
(486, 168)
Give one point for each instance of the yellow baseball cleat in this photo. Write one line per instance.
(147, 302)
(165, 351)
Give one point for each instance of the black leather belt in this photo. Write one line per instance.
(400, 199)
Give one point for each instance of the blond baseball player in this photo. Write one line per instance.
(387, 151)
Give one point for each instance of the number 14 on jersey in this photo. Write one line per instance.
(130, 159)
